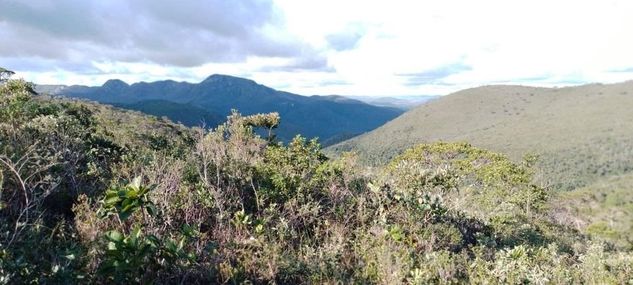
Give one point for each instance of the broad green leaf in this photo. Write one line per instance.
(114, 236)
(136, 232)
(136, 182)
(151, 209)
(124, 215)
(112, 200)
(132, 194)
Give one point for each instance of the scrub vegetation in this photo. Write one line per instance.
(93, 194)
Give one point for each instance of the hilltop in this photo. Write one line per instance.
(581, 133)
(210, 101)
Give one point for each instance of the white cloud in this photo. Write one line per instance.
(369, 45)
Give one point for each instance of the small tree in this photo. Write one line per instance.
(5, 74)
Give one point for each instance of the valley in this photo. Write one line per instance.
(316, 142)
(208, 103)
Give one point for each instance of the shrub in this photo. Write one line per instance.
(228, 206)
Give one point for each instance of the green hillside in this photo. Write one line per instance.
(327, 117)
(94, 194)
(580, 133)
(182, 113)
(603, 209)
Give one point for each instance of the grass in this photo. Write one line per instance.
(602, 209)
(582, 134)
(91, 194)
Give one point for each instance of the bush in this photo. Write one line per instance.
(90, 194)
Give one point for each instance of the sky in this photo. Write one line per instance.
(345, 47)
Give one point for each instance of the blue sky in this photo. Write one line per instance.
(321, 47)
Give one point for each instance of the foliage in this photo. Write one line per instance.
(292, 171)
(92, 194)
(5, 74)
(489, 180)
(125, 201)
(207, 102)
(603, 210)
(580, 133)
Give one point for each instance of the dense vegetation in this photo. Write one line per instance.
(330, 118)
(582, 134)
(91, 194)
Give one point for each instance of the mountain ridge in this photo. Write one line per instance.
(214, 97)
(580, 132)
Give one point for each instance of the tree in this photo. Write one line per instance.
(5, 74)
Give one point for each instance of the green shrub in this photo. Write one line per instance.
(228, 206)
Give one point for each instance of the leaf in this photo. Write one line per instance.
(129, 205)
(153, 241)
(170, 245)
(132, 194)
(143, 191)
(114, 236)
(188, 230)
(136, 183)
(181, 244)
(112, 200)
(124, 215)
(112, 193)
(136, 232)
(151, 209)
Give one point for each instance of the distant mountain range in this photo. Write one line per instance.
(581, 133)
(330, 118)
(400, 102)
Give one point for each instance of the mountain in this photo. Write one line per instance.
(328, 117)
(185, 114)
(581, 133)
(401, 102)
(143, 200)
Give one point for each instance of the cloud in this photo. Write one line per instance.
(308, 63)
(398, 47)
(531, 79)
(43, 65)
(622, 70)
(333, 82)
(346, 39)
(175, 33)
(434, 76)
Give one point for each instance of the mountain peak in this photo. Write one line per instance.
(223, 78)
(115, 84)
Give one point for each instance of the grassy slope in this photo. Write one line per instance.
(582, 133)
(603, 209)
(130, 128)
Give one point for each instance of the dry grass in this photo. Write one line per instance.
(581, 133)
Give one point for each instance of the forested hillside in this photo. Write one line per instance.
(581, 134)
(329, 118)
(95, 194)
